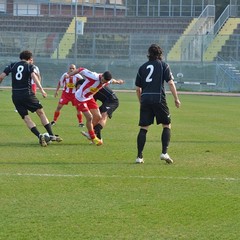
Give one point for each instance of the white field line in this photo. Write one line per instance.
(118, 176)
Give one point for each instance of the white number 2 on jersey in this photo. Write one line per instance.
(149, 79)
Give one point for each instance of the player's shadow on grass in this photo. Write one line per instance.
(67, 163)
(37, 145)
(203, 141)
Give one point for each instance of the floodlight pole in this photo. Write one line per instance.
(75, 33)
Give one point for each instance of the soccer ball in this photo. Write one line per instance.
(47, 138)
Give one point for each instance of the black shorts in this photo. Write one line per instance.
(109, 106)
(25, 102)
(159, 111)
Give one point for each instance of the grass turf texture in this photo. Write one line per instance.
(73, 190)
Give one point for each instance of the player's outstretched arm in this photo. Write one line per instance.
(117, 81)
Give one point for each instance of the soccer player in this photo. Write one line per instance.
(109, 102)
(151, 95)
(34, 85)
(68, 94)
(23, 97)
(85, 100)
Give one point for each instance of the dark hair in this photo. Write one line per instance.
(79, 82)
(155, 52)
(26, 55)
(107, 76)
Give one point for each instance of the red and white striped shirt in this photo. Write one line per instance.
(34, 85)
(91, 85)
(68, 83)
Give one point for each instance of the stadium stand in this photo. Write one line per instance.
(39, 33)
(67, 40)
(54, 24)
(220, 39)
(162, 25)
(117, 37)
(232, 45)
(48, 32)
(127, 36)
(175, 52)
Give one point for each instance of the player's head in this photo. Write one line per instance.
(155, 52)
(72, 67)
(106, 77)
(26, 55)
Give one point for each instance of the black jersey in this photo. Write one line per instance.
(105, 94)
(150, 77)
(21, 75)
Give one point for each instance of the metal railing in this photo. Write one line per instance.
(227, 74)
(198, 38)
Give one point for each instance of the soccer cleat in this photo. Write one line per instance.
(81, 125)
(97, 141)
(85, 134)
(166, 158)
(58, 139)
(139, 160)
(42, 140)
(55, 138)
(53, 123)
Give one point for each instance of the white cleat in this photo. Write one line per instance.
(85, 134)
(139, 160)
(55, 138)
(166, 158)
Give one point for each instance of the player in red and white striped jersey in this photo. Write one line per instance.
(85, 101)
(68, 94)
(37, 71)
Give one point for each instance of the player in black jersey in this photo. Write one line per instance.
(24, 98)
(109, 102)
(151, 94)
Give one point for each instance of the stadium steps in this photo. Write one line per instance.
(220, 39)
(231, 46)
(136, 25)
(175, 52)
(67, 41)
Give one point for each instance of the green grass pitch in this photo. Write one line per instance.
(73, 190)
